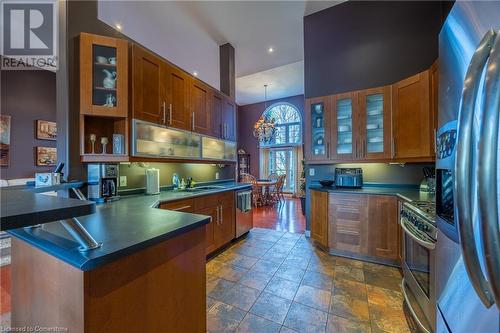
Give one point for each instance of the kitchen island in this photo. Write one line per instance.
(148, 274)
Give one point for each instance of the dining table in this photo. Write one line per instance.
(266, 185)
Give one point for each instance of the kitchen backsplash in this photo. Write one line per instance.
(374, 172)
(136, 173)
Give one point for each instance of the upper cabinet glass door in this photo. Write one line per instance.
(319, 130)
(103, 69)
(375, 124)
(345, 108)
(104, 76)
(343, 113)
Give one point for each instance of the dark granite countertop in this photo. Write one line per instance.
(23, 208)
(124, 227)
(407, 193)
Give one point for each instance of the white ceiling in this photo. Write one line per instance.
(189, 33)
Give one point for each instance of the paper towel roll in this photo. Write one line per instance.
(152, 181)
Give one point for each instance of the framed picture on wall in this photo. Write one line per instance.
(46, 130)
(45, 156)
(4, 140)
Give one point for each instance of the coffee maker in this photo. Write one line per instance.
(102, 182)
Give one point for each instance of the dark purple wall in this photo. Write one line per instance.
(247, 116)
(364, 44)
(27, 95)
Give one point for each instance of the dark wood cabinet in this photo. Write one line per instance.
(229, 119)
(319, 217)
(348, 216)
(201, 107)
(103, 98)
(221, 229)
(217, 105)
(412, 119)
(177, 97)
(383, 227)
(357, 225)
(395, 123)
(148, 87)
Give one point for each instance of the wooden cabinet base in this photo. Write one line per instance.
(356, 225)
(152, 290)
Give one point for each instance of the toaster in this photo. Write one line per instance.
(349, 177)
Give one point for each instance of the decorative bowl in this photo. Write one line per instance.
(326, 183)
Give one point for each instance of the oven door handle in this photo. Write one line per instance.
(427, 245)
(487, 172)
(463, 170)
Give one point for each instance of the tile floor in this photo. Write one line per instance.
(276, 281)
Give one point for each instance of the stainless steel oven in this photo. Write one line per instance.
(419, 241)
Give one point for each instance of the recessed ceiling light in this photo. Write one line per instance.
(118, 27)
(195, 73)
(270, 50)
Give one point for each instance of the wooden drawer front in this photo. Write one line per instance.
(214, 200)
(348, 216)
(348, 200)
(206, 201)
(186, 205)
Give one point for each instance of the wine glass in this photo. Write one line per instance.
(104, 142)
(93, 139)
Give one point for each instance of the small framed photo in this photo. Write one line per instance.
(46, 156)
(46, 130)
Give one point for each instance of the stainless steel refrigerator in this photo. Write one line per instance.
(467, 170)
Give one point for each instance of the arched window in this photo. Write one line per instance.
(283, 154)
(288, 125)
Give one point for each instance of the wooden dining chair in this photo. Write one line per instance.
(279, 187)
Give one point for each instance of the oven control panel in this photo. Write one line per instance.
(418, 223)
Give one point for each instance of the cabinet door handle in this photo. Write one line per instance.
(393, 142)
(221, 215)
(192, 121)
(217, 221)
(170, 113)
(364, 148)
(225, 131)
(435, 141)
(356, 149)
(181, 208)
(164, 112)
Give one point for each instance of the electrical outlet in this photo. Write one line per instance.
(311, 172)
(123, 180)
(217, 176)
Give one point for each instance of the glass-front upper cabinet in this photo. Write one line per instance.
(319, 128)
(375, 123)
(345, 108)
(103, 76)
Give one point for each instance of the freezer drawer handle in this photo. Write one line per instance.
(412, 311)
(487, 172)
(463, 170)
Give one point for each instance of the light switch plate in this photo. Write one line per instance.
(311, 172)
(123, 180)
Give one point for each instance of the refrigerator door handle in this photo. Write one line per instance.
(463, 171)
(487, 172)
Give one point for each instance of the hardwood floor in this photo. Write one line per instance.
(286, 216)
